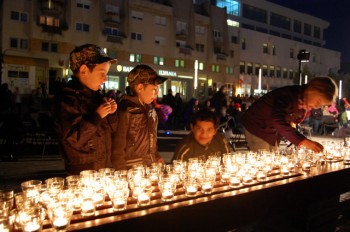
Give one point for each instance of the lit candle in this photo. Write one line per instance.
(207, 187)
(167, 195)
(235, 181)
(4, 228)
(346, 159)
(225, 177)
(143, 199)
(31, 227)
(98, 199)
(88, 207)
(261, 176)
(247, 179)
(191, 190)
(306, 166)
(284, 170)
(60, 223)
(119, 203)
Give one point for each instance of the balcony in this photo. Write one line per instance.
(181, 34)
(52, 7)
(185, 50)
(221, 56)
(112, 19)
(115, 39)
(54, 28)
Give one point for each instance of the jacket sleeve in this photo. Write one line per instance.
(119, 141)
(72, 126)
(182, 151)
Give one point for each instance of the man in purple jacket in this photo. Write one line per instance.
(272, 116)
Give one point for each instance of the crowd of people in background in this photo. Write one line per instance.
(173, 111)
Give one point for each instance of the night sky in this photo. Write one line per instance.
(336, 12)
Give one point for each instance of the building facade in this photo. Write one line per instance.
(198, 45)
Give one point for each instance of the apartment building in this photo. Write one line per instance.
(271, 37)
(198, 45)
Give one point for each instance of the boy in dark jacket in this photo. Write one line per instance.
(204, 140)
(84, 118)
(135, 141)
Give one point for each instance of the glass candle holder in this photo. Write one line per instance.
(191, 187)
(60, 216)
(31, 219)
(87, 207)
(144, 197)
(54, 185)
(119, 199)
(207, 184)
(73, 181)
(167, 187)
(31, 190)
(234, 181)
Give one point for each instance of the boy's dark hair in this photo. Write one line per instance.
(205, 115)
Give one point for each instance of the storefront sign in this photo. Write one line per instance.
(167, 73)
(126, 69)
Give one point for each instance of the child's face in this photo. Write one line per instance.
(93, 80)
(203, 132)
(147, 93)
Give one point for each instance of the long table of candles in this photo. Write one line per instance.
(216, 194)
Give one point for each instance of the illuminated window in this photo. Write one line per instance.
(232, 23)
(179, 63)
(135, 58)
(265, 48)
(158, 60)
(232, 7)
(215, 68)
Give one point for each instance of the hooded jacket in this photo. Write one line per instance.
(84, 137)
(135, 141)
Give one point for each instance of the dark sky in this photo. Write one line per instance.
(336, 12)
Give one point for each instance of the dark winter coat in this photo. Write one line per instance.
(84, 137)
(135, 141)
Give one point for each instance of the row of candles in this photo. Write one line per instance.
(58, 198)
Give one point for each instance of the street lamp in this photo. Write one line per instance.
(303, 56)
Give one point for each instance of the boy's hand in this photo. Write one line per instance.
(113, 104)
(104, 109)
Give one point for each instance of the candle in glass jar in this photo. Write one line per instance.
(88, 207)
(284, 170)
(60, 223)
(247, 179)
(143, 199)
(119, 203)
(207, 188)
(31, 227)
(167, 195)
(191, 190)
(306, 166)
(235, 181)
(261, 176)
